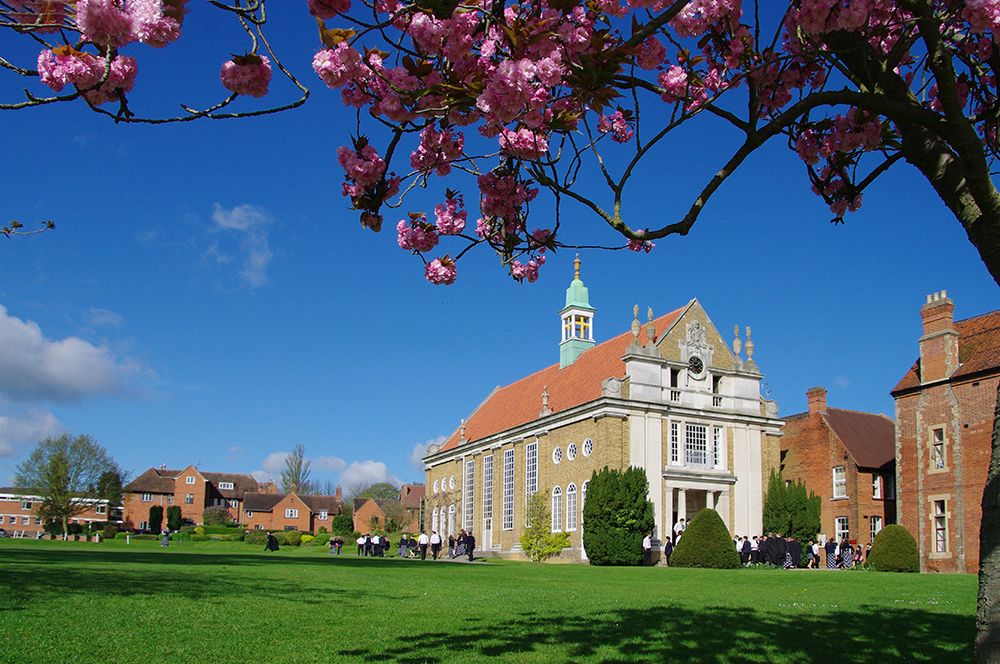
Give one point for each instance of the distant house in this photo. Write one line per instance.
(412, 497)
(290, 511)
(944, 422)
(847, 458)
(17, 512)
(193, 490)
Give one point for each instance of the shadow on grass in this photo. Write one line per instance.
(671, 633)
(108, 570)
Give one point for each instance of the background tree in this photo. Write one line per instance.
(109, 487)
(155, 518)
(538, 540)
(616, 516)
(706, 543)
(296, 473)
(174, 518)
(66, 473)
(791, 510)
(382, 490)
(342, 524)
(216, 516)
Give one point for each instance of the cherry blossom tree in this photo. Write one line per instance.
(572, 98)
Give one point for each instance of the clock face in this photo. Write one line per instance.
(695, 365)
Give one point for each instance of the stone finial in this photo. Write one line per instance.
(462, 430)
(737, 344)
(635, 322)
(545, 402)
(651, 327)
(576, 265)
(749, 346)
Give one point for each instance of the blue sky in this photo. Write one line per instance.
(208, 299)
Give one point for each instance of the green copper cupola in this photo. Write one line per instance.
(577, 321)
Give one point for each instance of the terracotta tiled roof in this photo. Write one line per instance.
(241, 483)
(870, 438)
(578, 383)
(978, 349)
(413, 495)
(319, 503)
(154, 480)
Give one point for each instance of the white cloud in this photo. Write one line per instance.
(35, 368)
(251, 224)
(104, 317)
(420, 451)
(27, 428)
(328, 463)
(272, 466)
(362, 473)
(841, 381)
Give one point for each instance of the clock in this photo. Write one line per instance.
(695, 365)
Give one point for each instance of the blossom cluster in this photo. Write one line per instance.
(365, 180)
(120, 22)
(65, 65)
(247, 75)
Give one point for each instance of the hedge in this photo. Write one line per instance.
(894, 550)
(706, 543)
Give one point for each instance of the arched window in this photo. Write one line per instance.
(571, 507)
(583, 499)
(435, 520)
(436, 485)
(557, 510)
(451, 519)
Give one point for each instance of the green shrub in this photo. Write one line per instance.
(256, 538)
(109, 531)
(293, 538)
(322, 529)
(199, 530)
(616, 516)
(155, 518)
(199, 538)
(706, 543)
(894, 550)
(323, 537)
(307, 539)
(174, 518)
(216, 515)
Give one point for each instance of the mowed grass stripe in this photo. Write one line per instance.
(229, 602)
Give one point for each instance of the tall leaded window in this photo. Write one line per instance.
(531, 468)
(508, 489)
(937, 449)
(877, 487)
(571, 507)
(469, 494)
(435, 521)
(674, 442)
(557, 510)
(695, 445)
(940, 527)
(488, 492)
(840, 482)
(716, 447)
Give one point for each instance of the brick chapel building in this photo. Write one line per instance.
(669, 397)
(944, 422)
(848, 458)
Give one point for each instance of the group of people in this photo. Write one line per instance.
(410, 547)
(773, 549)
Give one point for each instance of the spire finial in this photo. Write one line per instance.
(651, 328)
(545, 402)
(576, 263)
(635, 322)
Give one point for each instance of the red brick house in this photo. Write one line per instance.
(412, 497)
(17, 513)
(290, 511)
(848, 459)
(191, 489)
(944, 421)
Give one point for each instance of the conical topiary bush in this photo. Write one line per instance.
(706, 543)
(894, 550)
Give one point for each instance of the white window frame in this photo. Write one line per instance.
(469, 495)
(571, 499)
(189, 498)
(25, 505)
(571, 451)
(531, 468)
(101, 509)
(436, 486)
(557, 509)
(695, 444)
(488, 492)
(842, 528)
(557, 455)
(939, 524)
(716, 447)
(291, 513)
(323, 515)
(226, 486)
(938, 450)
(877, 487)
(675, 443)
(249, 514)
(876, 526)
(451, 482)
(588, 447)
(146, 498)
(508, 489)
(189, 479)
(840, 483)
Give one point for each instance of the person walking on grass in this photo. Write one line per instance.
(422, 541)
(470, 544)
(435, 544)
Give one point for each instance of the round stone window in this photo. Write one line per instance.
(588, 447)
(557, 455)
(571, 451)
(435, 486)
(451, 483)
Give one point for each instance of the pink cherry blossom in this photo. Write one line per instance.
(617, 126)
(441, 271)
(326, 9)
(417, 235)
(337, 66)
(105, 22)
(247, 75)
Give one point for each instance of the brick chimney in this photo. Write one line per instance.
(338, 494)
(939, 343)
(817, 400)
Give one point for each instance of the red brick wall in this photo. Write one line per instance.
(135, 509)
(810, 452)
(364, 515)
(965, 411)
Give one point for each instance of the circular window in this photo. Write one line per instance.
(571, 451)
(451, 484)
(557, 455)
(435, 486)
(588, 447)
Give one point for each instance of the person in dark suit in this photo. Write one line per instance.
(795, 551)
(470, 544)
(272, 543)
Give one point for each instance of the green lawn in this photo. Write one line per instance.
(215, 602)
